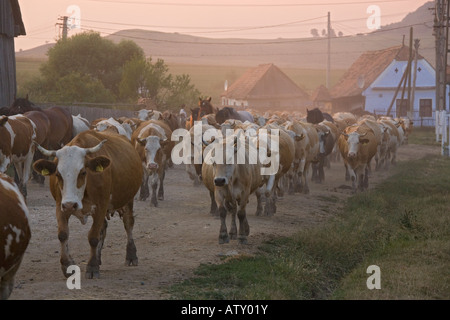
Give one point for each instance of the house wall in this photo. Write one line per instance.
(379, 95)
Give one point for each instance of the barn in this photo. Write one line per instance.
(372, 80)
(264, 88)
(11, 26)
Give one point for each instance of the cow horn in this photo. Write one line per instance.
(45, 152)
(96, 148)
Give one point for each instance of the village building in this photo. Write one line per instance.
(11, 26)
(265, 88)
(373, 79)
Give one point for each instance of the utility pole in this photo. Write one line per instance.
(63, 26)
(416, 53)
(328, 50)
(440, 32)
(409, 102)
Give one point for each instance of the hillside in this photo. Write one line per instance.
(298, 53)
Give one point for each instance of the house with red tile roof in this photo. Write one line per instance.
(265, 88)
(372, 80)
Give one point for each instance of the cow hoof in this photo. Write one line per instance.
(243, 240)
(131, 262)
(224, 239)
(93, 275)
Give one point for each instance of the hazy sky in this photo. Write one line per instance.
(261, 19)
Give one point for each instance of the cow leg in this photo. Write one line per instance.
(244, 228)
(353, 178)
(101, 241)
(20, 177)
(144, 192)
(223, 234)
(231, 207)
(154, 183)
(305, 179)
(213, 209)
(63, 236)
(7, 281)
(321, 174)
(128, 222)
(95, 239)
(347, 172)
(161, 185)
(366, 178)
(259, 206)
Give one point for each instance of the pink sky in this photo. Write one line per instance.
(260, 19)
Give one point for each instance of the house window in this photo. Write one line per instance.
(401, 107)
(425, 108)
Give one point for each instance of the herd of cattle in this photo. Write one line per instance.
(96, 169)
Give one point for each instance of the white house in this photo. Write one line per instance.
(371, 82)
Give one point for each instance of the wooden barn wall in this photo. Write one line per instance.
(7, 55)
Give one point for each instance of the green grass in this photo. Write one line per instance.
(402, 226)
(423, 135)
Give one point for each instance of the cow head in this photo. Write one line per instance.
(323, 136)
(153, 146)
(71, 169)
(354, 140)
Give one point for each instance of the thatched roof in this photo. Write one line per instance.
(366, 69)
(264, 81)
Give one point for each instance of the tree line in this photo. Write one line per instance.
(89, 68)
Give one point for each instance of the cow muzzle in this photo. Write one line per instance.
(351, 155)
(220, 182)
(69, 206)
(152, 166)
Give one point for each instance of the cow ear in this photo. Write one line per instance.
(98, 164)
(3, 120)
(44, 167)
(142, 141)
(364, 141)
(209, 99)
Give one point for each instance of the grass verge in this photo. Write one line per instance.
(402, 226)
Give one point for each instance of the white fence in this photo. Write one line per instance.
(442, 128)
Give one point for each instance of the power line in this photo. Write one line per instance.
(315, 4)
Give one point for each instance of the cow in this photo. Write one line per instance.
(232, 184)
(358, 145)
(15, 233)
(146, 114)
(393, 141)
(230, 113)
(16, 147)
(61, 122)
(328, 134)
(113, 125)
(95, 174)
(80, 124)
(286, 153)
(306, 152)
(316, 116)
(152, 142)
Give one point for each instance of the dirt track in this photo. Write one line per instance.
(171, 240)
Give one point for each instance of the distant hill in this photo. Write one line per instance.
(300, 52)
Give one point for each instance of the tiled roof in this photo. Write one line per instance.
(366, 69)
(321, 94)
(266, 80)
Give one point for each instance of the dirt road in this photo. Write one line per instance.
(172, 239)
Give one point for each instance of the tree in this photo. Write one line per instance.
(315, 33)
(85, 56)
(143, 78)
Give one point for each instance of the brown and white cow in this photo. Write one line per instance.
(15, 233)
(358, 145)
(16, 147)
(152, 142)
(307, 150)
(95, 174)
(232, 183)
(328, 134)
